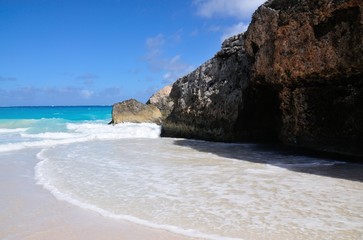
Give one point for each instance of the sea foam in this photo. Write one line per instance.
(46, 176)
(12, 130)
(201, 189)
(75, 132)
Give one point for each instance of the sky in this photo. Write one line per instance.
(99, 52)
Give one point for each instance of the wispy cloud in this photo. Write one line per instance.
(27, 96)
(38, 96)
(87, 78)
(175, 68)
(176, 37)
(171, 67)
(240, 9)
(112, 92)
(154, 45)
(85, 93)
(7, 79)
(233, 30)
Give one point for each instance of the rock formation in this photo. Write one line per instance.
(310, 53)
(162, 100)
(207, 101)
(295, 75)
(134, 111)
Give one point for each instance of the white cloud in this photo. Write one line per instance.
(175, 68)
(171, 67)
(233, 30)
(240, 9)
(154, 45)
(38, 96)
(86, 93)
(156, 41)
(28, 96)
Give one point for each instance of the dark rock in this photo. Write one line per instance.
(312, 53)
(207, 101)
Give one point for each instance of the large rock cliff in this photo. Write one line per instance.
(311, 54)
(295, 75)
(207, 101)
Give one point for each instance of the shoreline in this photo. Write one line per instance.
(31, 212)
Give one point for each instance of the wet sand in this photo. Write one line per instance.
(27, 211)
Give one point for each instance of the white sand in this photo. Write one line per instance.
(27, 211)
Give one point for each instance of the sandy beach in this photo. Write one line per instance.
(297, 198)
(27, 211)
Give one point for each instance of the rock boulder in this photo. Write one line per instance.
(161, 99)
(136, 112)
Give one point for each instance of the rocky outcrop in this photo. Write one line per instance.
(207, 101)
(294, 41)
(295, 75)
(161, 99)
(136, 112)
(310, 53)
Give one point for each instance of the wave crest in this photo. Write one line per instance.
(80, 132)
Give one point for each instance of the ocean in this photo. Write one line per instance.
(195, 188)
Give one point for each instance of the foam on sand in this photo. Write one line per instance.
(27, 211)
(163, 185)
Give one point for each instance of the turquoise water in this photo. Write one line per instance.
(24, 127)
(75, 113)
(51, 118)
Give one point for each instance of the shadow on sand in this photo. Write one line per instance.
(282, 156)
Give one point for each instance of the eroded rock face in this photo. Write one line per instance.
(136, 112)
(161, 99)
(207, 101)
(293, 42)
(311, 53)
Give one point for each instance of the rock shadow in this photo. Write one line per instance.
(293, 159)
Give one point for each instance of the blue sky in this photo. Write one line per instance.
(98, 52)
